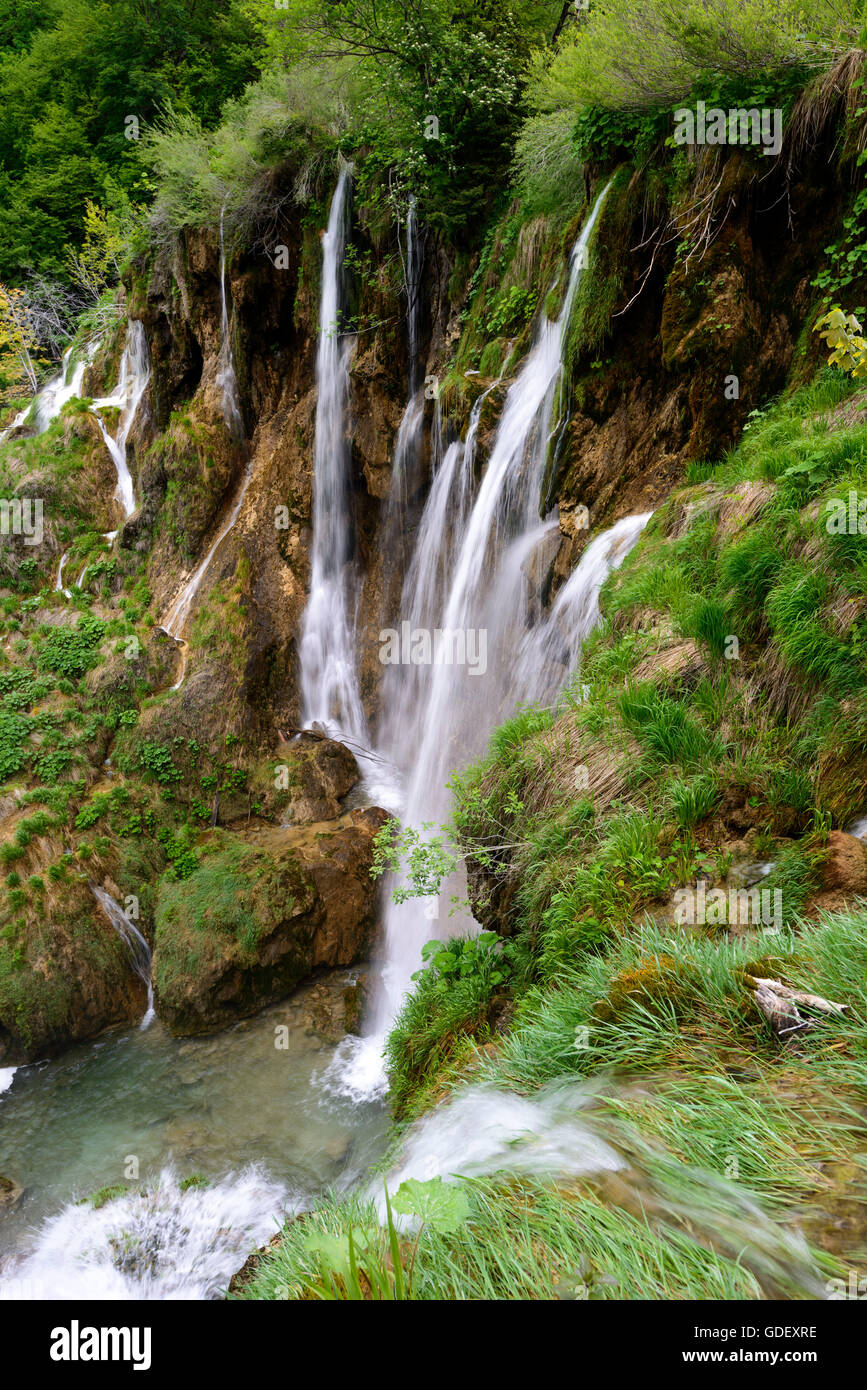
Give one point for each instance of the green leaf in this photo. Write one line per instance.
(444, 1206)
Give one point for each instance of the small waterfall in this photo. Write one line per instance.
(475, 557)
(551, 650)
(413, 294)
(226, 378)
(329, 678)
(132, 382)
(230, 406)
(48, 402)
(425, 587)
(139, 950)
(59, 586)
(55, 393)
(6, 1077)
(407, 457)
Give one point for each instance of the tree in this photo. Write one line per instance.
(18, 344)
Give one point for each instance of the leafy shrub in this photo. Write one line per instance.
(70, 651)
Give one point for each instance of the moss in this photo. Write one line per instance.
(215, 919)
(655, 984)
(104, 1195)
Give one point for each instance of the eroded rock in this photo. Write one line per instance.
(260, 915)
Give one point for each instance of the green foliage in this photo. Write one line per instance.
(428, 861)
(70, 651)
(693, 801)
(158, 762)
(483, 957)
(66, 90)
(607, 135)
(450, 1002)
(510, 310)
(634, 55)
(666, 728)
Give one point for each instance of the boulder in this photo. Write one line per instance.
(319, 771)
(261, 914)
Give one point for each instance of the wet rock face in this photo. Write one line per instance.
(318, 772)
(73, 978)
(260, 915)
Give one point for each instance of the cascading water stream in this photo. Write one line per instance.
(59, 585)
(404, 472)
(176, 621)
(564, 1133)
(48, 402)
(551, 650)
(474, 557)
(132, 381)
(329, 681)
(139, 950)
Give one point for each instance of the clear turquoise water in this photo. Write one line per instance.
(143, 1102)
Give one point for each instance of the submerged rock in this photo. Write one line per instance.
(11, 1193)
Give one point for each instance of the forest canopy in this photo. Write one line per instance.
(126, 120)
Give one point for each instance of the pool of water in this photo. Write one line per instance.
(245, 1109)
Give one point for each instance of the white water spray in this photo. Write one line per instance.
(164, 1243)
(563, 1133)
(59, 586)
(48, 402)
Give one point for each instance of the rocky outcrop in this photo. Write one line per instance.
(70, 979)
(318, 772)
(260, 915)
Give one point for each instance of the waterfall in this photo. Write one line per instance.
(226, 378)
(139, 950)
(329, 677)
(48, 402)
(407, 457)
(413, 293)
(550, 651)
(132, 381)
(59, 586)
(230, 407)
(472, 578)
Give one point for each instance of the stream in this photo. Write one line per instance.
(252, 1118)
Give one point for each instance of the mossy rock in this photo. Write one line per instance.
(656, 984)
(255, 919)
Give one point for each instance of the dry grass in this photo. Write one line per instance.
(833, 93)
